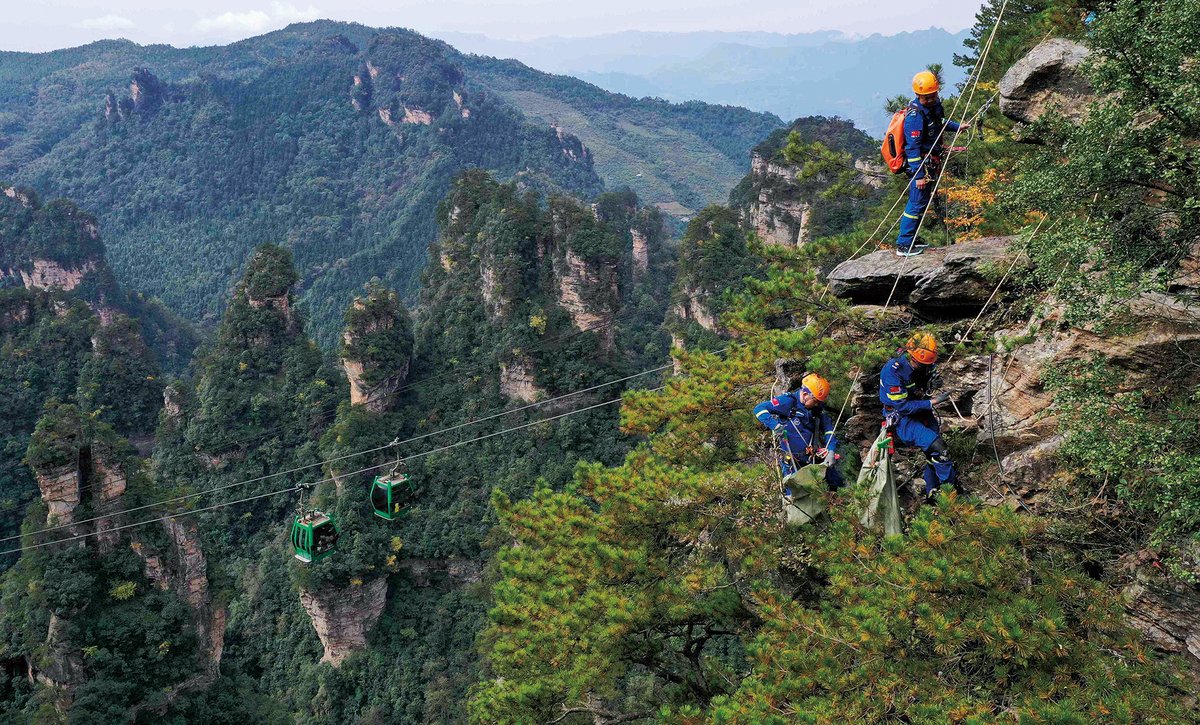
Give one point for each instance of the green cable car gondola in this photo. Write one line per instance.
(314, 536)
(391, 495)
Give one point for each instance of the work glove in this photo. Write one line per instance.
(939, 399)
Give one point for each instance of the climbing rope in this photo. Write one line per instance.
(977, 75)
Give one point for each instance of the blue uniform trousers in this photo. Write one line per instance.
(918, 202)
(921, 431)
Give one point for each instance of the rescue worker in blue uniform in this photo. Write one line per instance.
(903, 390)
(804, 429)
(923, 150)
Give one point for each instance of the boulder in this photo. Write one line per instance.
(944, 283)
(1048, 77)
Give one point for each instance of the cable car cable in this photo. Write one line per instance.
(368, 469)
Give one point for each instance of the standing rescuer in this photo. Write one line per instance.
(803, 428)
(925, 125)
(903, 390)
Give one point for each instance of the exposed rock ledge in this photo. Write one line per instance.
(47, 274)
(342, 617)
(944, 282)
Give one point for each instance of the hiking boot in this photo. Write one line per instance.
(920, 244)
(909, 251)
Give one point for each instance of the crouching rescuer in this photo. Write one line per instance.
(803, 429)
(903, 389)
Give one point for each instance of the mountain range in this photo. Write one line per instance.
(333, 139)
(790, 75)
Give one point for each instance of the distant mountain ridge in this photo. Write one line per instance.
(790, 75)
(333, 139)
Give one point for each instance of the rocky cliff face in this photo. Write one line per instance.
(641, 252)
(777, 214)
(376, 350)
(81, 466)
(108, 484)
(184, 570)
(783, 207)
(46, 274)
(54, 247)
(696, 306)
(343, 617)
(533, 273)
(146, 94)
(457, 572)
(1001, 398)
(587, 290)
(518, 381)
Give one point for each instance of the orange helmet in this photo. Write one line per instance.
(922, 347)
(925, 83)
(817, 386)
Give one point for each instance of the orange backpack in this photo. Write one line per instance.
(893, 143)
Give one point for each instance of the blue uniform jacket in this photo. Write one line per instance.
(922, 126)
(899, 382)
(804, 427)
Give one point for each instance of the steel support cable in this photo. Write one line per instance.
(290, 489)
(306, 467)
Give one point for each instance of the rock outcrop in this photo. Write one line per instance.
(1168, 617)
(59, 487)
(45, 274)
(376, 349)
(1002, 399)
(1048, 77)
(518, 381)
(417, 116)
(588, 292)
(184, 570)
(641, 252)
(61, 670)
(146, 95)
(108, 485)
(945, 282)
(342, 617)
(779, 214)
(455, 572)
(695, 306)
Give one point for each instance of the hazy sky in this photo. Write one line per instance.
(47, 24)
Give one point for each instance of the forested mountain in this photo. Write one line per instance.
(529, 298)
(332, 139)
(563, 559)
(69, 332)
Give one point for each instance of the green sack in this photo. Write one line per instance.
(808, 495)
(883, 503)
